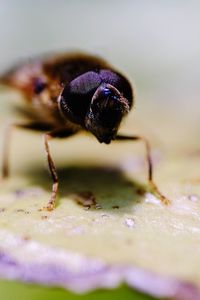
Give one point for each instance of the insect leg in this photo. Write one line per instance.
(52, 202)
(61, 133)
(150, 165)
(47, 137)
(6, 150)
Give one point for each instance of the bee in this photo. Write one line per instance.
(68, 93)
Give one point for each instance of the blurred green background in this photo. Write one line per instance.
(156, 43)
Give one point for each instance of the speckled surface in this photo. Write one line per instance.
(129, 233)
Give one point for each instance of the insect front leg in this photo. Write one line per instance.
(52, 202)
(47, 137)
(152, 184)
(6, 151)
(61, 133)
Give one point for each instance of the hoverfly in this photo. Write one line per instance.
(68, 93)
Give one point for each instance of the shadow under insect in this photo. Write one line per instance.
(110, 187)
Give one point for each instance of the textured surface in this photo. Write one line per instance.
(129, 233)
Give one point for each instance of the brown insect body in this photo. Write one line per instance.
(42, 81)
(68, 93)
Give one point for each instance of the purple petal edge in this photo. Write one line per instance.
(97, 275)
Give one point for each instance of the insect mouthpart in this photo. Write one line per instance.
(105, 139)
(103, 132)
(105, 113)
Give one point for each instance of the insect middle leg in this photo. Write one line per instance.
(151, 181)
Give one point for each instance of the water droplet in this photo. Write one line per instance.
(129, 222)
(150, 198)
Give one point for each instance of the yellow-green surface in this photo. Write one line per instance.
(141, 232)
(158, 233)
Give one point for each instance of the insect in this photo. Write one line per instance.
(68, 93)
